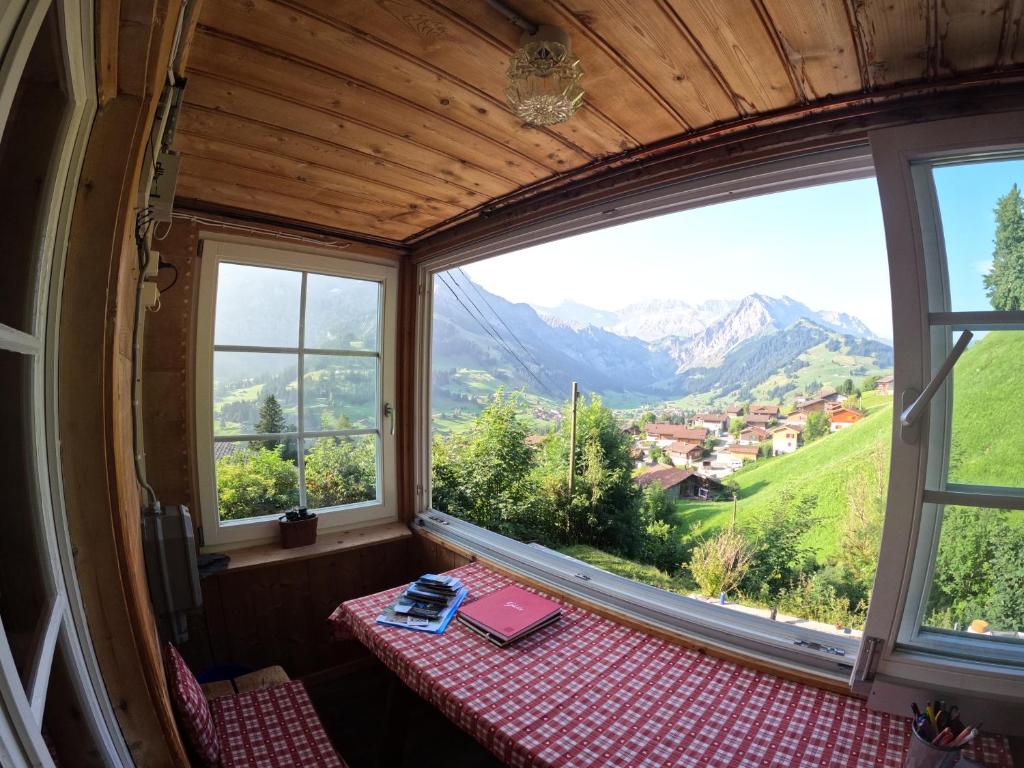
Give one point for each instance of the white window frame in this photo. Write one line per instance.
(692, 620)
(217, 249)
(905, 657)
(63, 622)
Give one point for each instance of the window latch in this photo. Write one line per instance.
(915, 403)
(389, 413)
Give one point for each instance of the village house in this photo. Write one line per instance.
(829, 395)
(753, 435)
(716, 423)
(633, 430)
(785, 439)
(796, 419)
(809, 406)
(760, 419)
(682, 452)
(737, 455)
(764, 410)
(665, 434)
(669, 478)
(884, 385)
(736, 409)
(841, 418)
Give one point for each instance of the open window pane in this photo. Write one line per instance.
(254, 392)
(987, 430)
(978, 582)
(339, 393)
(342, 313)
(734, 428)
(341, 470)
(255, 479)
(257, 306)
(980, 208)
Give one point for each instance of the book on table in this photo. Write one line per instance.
(426, 605)
(509, 614)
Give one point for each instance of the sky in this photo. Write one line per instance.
(824, 246)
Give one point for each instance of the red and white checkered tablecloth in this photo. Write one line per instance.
(587, 691)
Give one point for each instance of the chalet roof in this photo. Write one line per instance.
(681, 446)
(750, 450)
(809, 404)
(666, 477)
(223, 450)
(886, 379)
(759, 418)
(677, 432)
(770, 409)
(735, 408)
(845, 415)
(713, 417)
(756, 431)
(791, 427)
(533, 440)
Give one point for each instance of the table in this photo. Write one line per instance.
(588, 691)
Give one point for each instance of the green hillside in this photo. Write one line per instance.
(824, 468)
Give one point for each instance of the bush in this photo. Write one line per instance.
(720, 563)
(253, 482)
(816, 598)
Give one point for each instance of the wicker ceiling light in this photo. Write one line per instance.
(544, 78)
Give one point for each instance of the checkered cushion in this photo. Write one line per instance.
(587, 691)
(272, 728)
(191, 707)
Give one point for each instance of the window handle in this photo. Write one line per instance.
(912, 412)
(389, 413)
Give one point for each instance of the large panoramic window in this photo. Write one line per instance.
(296, 391)
(730, 441)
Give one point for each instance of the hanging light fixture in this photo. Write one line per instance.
(544, 78)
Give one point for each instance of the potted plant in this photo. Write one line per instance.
(298, 528)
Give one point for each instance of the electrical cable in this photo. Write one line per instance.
(500, 319)
(257, 230)
(496, 338)
(141, 226)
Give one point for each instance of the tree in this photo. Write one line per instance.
(645, 419)
(341, 471)
(1006, 607)
(1004, 282)
(817, 426)
(778, 551)
(256, 482)
(869, 383)
(846, 388)
(736, 425)
(865, 512)
(271, 422)
(719, 564)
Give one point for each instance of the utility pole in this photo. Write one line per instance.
(572, 442)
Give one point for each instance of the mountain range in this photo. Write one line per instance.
(663, 349)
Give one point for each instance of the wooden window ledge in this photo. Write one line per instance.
(328, 543)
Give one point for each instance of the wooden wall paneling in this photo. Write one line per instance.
(968, 34)
(255, 105)
(108, 21)
(734, 36)
(617, 94)
(406, 389)
(896, 39)
(314, 151)
(366, 190)
(465, 58)
(1011, 41)
(103, 502)
(317, 38)
(817, 40)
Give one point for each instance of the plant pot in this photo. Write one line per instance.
(297, 533)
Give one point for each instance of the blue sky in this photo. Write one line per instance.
(824, 246)
(967, 197)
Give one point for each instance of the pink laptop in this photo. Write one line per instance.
(509, 613)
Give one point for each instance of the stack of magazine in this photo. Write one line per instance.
(427, 605)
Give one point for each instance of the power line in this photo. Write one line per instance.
(492, 334)
(499, 317)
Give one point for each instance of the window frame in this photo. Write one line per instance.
(907, 656)
(691, 620)
(217, 249)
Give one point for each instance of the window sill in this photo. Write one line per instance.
(678, 619)
(328, 543)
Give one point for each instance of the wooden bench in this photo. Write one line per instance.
(268, 723)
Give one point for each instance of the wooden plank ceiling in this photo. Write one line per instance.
(388, 117)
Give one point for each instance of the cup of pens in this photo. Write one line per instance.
(938, 737)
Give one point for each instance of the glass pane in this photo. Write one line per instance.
(340, 393)
(341, 313)
(978, 586)
(341, 470)
(257, 306)
(987, 421)
(30, 138)
(255, 479)
(254, 392)
(983, 227)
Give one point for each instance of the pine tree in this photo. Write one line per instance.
(271, 422)
(1004, 283)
